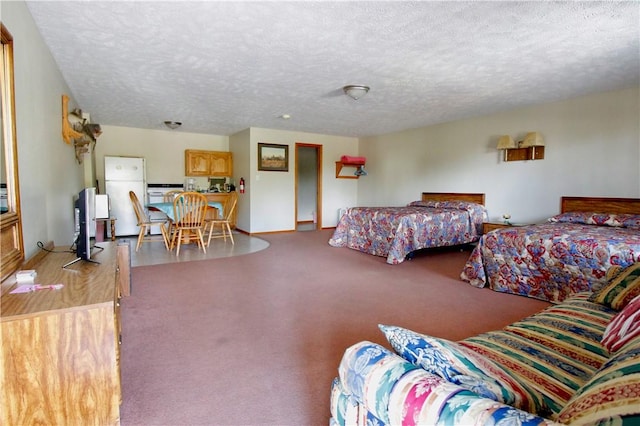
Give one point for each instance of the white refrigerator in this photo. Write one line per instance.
(121, 175)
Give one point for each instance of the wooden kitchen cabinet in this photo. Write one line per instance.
(208, 163)
(221, 164)
(61, 348)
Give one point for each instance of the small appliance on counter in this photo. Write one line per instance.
(190, 184)
(216, 184)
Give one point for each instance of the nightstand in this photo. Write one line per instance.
(490, 226)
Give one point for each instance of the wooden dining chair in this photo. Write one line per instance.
(224, 223)
(145, 224)
(169, 196)
(189, 212)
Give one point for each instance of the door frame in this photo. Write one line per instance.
(318, 149)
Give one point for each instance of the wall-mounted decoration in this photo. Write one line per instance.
(530, 148)
(272, 157)
(77, 131)
(69, 133)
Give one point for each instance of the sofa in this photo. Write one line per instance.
(576, 362)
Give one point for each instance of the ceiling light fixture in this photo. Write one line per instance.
(356, 91)
(173, 124)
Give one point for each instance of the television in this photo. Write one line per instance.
(85, 224)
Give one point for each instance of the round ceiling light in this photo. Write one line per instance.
(173, 124)
(356, 91)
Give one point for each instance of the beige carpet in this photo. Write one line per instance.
(256, 339)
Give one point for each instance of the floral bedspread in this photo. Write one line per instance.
(550, 261)
(394, 232)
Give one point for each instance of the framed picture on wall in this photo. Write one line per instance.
(272, 157)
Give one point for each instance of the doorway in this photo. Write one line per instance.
(308, 187)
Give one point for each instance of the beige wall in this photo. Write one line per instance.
(592, 149)
(162, 149)
(273, 193)
(49, 174)
(240, 146)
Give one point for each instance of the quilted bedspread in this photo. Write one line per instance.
(394, 232)
(550, 261)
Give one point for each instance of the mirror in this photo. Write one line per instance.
(11, 250)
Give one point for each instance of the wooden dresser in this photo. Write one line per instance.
(61, 348)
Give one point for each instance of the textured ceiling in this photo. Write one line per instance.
(221, 67)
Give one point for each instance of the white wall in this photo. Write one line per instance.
(240, 146)
(163, 150)
(273, 193)
(49, 174)
(592, 149)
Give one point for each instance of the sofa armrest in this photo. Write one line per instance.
(398, 392)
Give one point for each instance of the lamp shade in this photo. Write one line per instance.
(506, 142)
(533, 139)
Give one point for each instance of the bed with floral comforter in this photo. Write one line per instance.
(551, 261)
(395, 232)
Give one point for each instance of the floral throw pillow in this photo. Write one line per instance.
(624, 327)
(623, 284)
(630, 220)
(599, 219)
(462, 366)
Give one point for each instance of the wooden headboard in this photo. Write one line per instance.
(453, 196)
(600, 205)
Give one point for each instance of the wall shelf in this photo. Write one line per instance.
(341, 164)
(522, 154)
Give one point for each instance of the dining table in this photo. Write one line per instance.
(167, 208)
(215, 210)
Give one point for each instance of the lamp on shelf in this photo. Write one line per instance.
(533, 141)
(356, 91)
(506, 142)
(530, 148)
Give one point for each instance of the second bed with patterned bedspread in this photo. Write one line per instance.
(551, 261)
(395, 232)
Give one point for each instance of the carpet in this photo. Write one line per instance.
(257, 339)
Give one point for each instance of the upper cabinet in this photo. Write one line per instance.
(208, 163)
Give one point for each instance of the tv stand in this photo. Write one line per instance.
(79, 259)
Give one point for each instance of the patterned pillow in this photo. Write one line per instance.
(462, 366)
(630, 220)
(600, 219)
(622, 286)
(464, 205)
(612, 395)
(624, 327)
